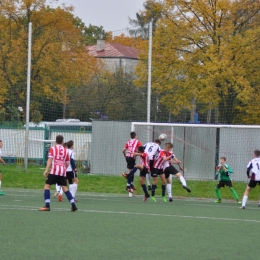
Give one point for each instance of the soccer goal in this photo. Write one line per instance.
(199, 147)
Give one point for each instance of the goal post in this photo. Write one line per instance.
(199, 146)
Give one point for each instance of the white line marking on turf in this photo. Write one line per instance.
(14, 207)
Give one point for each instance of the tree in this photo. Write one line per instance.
(152, 13)
(205, 54)
(91, 33)
(111, 96)
(59, 58)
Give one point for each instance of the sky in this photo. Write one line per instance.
(111, 14)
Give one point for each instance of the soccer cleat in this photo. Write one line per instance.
(129, 189)
(133, 187)
(75, 200)
(60, 198)
(44, 209)
(238, 202)
(153, 199)
(170, 199)
(218, 201)
(243, 207)
(73, 208)
(146, 197)
(149, 187)
(186, 188)
(259, 205)
(55, 194)
(164, 198)
(2, 193)
(124, 175)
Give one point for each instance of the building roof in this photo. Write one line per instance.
(113, 50)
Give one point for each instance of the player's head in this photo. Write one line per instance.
(256, 153)
(59, 139)
(140, 149)
(223, 159)
(70, 144)
(157, 141)
(133, 135)
(65, 145)
(168, 146)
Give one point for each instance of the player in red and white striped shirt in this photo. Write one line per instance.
(58, 161)
(130, 147)
(157, 169)
(144, 168)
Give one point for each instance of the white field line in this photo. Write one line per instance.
(16, 207)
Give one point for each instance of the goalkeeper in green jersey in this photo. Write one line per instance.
(223, 170)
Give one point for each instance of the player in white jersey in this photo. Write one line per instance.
(71, 171)
(253, 173)
(3, 162)
(152, 149)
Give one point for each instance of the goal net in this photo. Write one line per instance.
(199, 147)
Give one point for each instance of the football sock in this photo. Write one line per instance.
(57, 188)
(47, 198)
(169, 190)
(244, 200)
(234, 193)
(69, 197)
(153, 189)
(163, 190)
(145, 189)
(218, 193)
(133, 171)
(183, 181)
(148, 175)
(73, 189)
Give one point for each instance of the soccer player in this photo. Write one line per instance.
(157, 169)
(71, 171)
(224, 171)
(253, 167)
(152, 148)
(58, 161)
(170, 170)
(144, 168)
(130, 148)
(3, 162)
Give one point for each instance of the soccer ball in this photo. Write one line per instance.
(162, 137)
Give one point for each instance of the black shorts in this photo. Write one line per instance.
(130, 162)
(224, 183)
(170, 170)
(70, 176)
(53, 179)
(151, 164)
(155, 172)
(253, 183)
(143, 172)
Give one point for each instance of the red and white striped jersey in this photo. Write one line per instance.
(159, 162)
(145, 161)
(168, 163)
(132, 146)
(59, 156)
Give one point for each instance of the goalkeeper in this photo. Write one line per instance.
(224, 171)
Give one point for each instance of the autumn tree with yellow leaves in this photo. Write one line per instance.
(59, 58)
(206, 59)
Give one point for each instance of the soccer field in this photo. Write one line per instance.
(113, 226)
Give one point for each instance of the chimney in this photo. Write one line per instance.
(100, 43)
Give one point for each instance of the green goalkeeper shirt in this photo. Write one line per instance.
(224, 172)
